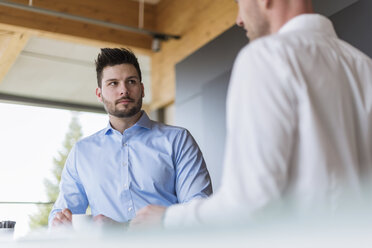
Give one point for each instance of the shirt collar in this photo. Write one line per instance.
(310, 22)
(144, 122)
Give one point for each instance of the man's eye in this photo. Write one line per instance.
(132, 81)
(112, 83)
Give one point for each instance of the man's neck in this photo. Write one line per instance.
(286, 10)
(121, 124)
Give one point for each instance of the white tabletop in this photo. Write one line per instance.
(295, 234)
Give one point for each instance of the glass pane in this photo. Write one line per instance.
(30, 137)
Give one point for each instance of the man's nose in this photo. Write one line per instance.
(123, 89)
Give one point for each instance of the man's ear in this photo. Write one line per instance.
(99, 94)
(143, 90)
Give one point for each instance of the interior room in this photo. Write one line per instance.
(186, 50)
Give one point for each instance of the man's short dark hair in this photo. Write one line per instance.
(115, 56)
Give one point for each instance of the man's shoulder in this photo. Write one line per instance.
(265, 48)
(355, 52)
(263, 52)
(162, 127)
(93, 138)
(296, 42)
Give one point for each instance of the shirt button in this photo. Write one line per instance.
(125, 185)
(125, 144)
(130, 209)
(125, 164)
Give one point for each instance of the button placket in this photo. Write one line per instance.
(130, 209)
(128, 201)
(125, 162)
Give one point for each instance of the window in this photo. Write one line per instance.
(30, 137)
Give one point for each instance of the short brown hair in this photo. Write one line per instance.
(115, 56)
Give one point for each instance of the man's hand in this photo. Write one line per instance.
(149, 216)
(62, 218)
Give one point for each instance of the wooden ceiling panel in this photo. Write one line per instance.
(172, 17)
(58, 25)
(198, 22)
(123, 12)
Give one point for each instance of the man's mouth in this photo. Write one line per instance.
(124, 101)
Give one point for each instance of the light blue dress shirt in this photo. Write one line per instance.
(117, 174)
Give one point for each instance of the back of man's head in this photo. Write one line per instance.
(264, 17)
(115, 56)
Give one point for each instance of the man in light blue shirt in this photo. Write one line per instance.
(134, 161)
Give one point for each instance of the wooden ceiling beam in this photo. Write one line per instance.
(124, 12)
(11, 44)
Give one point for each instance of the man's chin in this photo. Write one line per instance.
(123, 105)
(125, 114)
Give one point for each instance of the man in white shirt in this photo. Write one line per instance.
(299, 121)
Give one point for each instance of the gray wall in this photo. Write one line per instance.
(330, 7)
(354, 25)
(201, 86)
(202, 78)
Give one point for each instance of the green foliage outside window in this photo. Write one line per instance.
(40, 219)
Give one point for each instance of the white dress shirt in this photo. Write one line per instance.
(299, 127)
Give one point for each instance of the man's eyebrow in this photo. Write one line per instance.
(111, 79)
(115, 79)
(132, 77)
